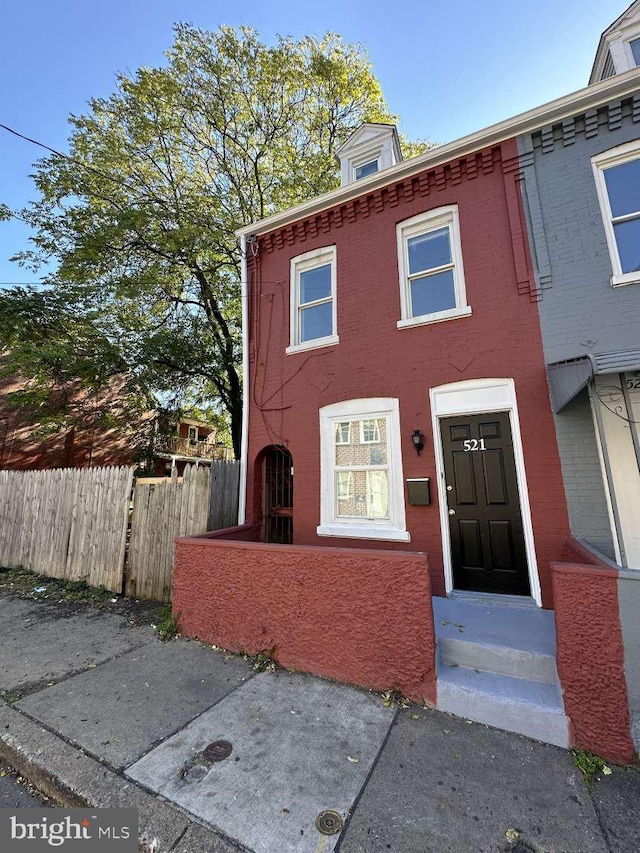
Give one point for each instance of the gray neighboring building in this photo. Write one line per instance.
(581, 195)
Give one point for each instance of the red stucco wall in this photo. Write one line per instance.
(351, 615)
(376, 359)
(590, 657)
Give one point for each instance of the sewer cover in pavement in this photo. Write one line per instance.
(301, 746)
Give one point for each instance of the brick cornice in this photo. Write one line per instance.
(424, 184)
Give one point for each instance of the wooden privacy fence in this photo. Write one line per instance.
(162, 511)
(225, 485)
(72, 523)
(66, 523)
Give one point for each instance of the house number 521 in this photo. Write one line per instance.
(474, 444)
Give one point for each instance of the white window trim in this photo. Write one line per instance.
(627, 46)
(432, 220)
(393, 529)
(472, 397)
(362, 159)
(302, 263)
(614, 157)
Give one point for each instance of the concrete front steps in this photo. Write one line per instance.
(496, 665)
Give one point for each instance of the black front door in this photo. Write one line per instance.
(487, 539)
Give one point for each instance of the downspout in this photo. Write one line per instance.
(244, 291)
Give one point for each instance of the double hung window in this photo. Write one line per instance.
(432, 284)
(617, 174)
(362, 486)
(313, 300)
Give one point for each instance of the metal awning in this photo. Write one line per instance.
(568, 378)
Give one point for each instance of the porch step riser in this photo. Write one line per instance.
(546, 726)
(518, 663)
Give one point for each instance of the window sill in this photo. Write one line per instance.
(317, 343)
(625, 278)
(353, 531)
(440, 317)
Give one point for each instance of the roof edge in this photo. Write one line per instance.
(600, 93)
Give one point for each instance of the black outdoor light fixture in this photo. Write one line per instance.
(418, 440)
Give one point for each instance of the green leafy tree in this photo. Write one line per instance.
(139, 218)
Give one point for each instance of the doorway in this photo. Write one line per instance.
(278, 496)
(488, 552)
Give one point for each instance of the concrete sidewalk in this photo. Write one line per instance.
(99, 712)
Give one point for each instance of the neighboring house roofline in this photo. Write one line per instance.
(603, 46)
(596, 95)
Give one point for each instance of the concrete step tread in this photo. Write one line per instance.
(509, 627)
(500, 688)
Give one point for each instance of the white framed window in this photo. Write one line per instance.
(634, 47)
(362, 492)
(313, 300)
(343, 432)
(432, 286)
(617, 175)
(369, 431)
(363, 170)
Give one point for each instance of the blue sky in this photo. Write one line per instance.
(447, 69)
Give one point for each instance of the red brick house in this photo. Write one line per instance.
(403, 517)
(152, 441)
(26, 444)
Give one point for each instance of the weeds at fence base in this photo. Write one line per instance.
(167, 627)
(38, 587)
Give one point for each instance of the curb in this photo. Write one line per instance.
(75, 780)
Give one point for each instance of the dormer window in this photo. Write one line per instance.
(370, 149)
(369, 168)
(619, 47)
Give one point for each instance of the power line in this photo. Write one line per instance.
(68, 157)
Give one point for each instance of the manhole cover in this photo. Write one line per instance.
(218, 750)
(329, 822)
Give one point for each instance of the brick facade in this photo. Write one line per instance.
(376, 359)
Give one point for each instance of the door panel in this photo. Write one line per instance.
(495, 482)
(487, 538)
(465, 482)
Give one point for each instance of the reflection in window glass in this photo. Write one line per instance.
(369, 168)
(361, 471)
(635, 50)
(316, 321)
(343, 431)
(428, 251)
(623, 190)
(370, 432)
(315, 284)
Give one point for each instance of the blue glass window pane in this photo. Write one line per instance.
(316, 322)
(429, 250)
(623, 186)
(433, 293)
(315, 284)
(628, 240)
(635, 50)
(366, 169)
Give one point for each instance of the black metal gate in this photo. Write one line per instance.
(278, 496)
